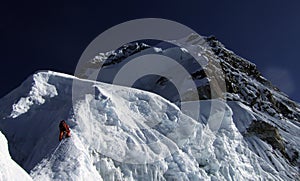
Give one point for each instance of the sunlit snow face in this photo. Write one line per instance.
(154, 63)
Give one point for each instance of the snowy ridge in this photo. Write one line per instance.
(69, 160)
(121, 133)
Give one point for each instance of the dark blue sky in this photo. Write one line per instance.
(37, 35)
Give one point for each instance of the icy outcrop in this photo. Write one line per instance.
(39, 91)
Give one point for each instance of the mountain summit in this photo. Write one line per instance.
(142, 133)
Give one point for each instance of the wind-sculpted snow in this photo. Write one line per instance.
(121, 133)
(39, 91)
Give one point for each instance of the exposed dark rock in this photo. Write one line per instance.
(200, 74)
(124, 52)
(268, 133)
(243, 84)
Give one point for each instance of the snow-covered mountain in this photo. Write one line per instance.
(121, 133)
(275, 118)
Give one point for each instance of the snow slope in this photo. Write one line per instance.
(9, 170)
(120, 133)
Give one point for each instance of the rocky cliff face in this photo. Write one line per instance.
(251, 87)
(253, 90)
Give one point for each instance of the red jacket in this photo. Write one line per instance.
(64, 128)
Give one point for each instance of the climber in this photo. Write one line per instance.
(64, 130)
